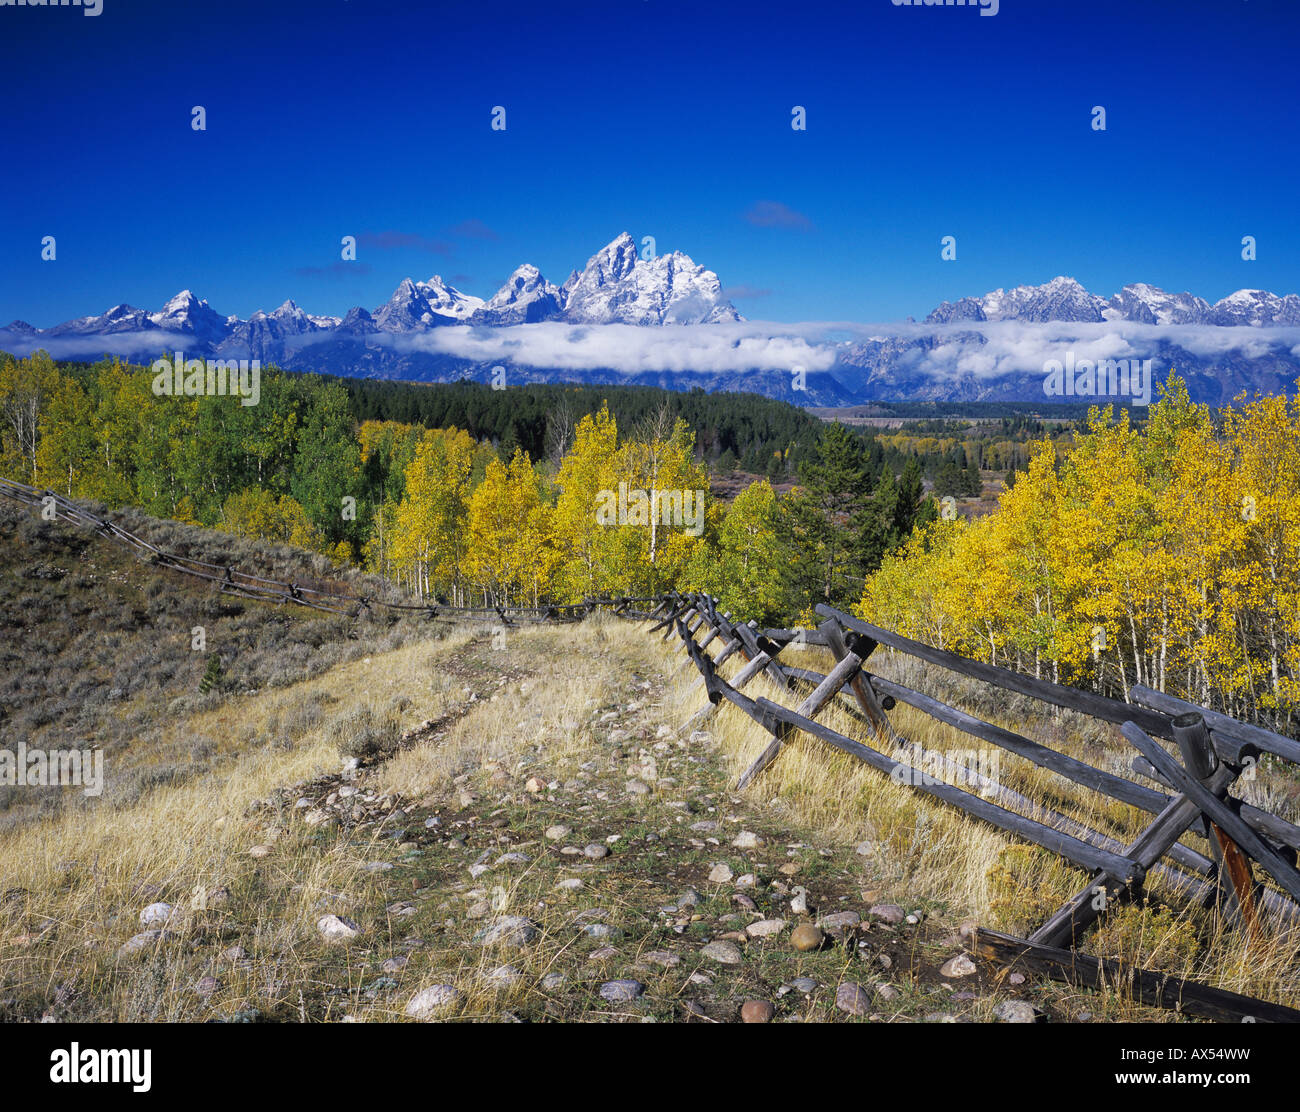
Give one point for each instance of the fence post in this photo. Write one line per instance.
(1236, 881)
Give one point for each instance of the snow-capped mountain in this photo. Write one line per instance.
(1064, 299)
(191, 317)
(968, 354)
(1152, 305)
(525, 298)
(618, 287)
(1059, 299)
(1256, 307)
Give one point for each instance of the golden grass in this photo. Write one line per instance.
(924, 853)
(82, 873)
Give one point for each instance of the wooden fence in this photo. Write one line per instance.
(1190, 794)
(231, 580)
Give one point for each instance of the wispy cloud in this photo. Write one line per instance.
(773, 214)
(473, 229)
(394, 241)
(743, 291)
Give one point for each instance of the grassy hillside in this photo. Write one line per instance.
(97, 647)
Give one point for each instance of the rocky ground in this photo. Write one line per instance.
(630, 884)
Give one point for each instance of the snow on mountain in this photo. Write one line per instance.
(1256, 307)
(524, 298)
(1060, 299)
(188, 315)
(616, 287)
(1152, 305)
(448, 301)
(1064, 299)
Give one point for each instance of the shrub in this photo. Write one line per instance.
(360, 733)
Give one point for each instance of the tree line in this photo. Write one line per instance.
(455, 515)
(1167, 556)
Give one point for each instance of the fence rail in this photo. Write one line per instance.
(1192, 795)
(233, 581)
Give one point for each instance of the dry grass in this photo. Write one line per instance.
(924, 853)
(72, 885)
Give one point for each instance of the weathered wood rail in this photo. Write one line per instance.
(231, 580)
(1193, 795)
(1250, 874)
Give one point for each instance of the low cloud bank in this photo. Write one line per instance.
(984, 350)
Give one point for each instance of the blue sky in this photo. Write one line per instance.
(658, 117)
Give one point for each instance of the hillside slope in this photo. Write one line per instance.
(101, 651)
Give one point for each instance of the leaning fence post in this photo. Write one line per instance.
(1238, 885)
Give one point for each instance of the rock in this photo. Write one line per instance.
(839, 920)
(552, 982)
(636, 787)
(477, 871)
(665, 958)
(727, 953)
(602, 955)
(535, 785)
(852, 998)
(512, 859)
(707, 826)
(863, 849)
(620, 992)
(478, 909)
(595, 851)
(806, 938)
(234, 953)
(747, 839)
(960, 966)
(335, 928)
(503, 976)
(601, 930)
(431, 1000)
(887, 992)
(557, 833)
(765, 928)
(746, 881)
(1016, 1011)
(159, 914)
(741, 900)
(143, 941)
(757, 1011)
(513, 930)
(396, 964)
(259, 851)
(804, 984)
(720, 874)
(572, 884)
(205, 899)
(1017, 978)
(890, 913)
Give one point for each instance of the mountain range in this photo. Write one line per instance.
(676, 329)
